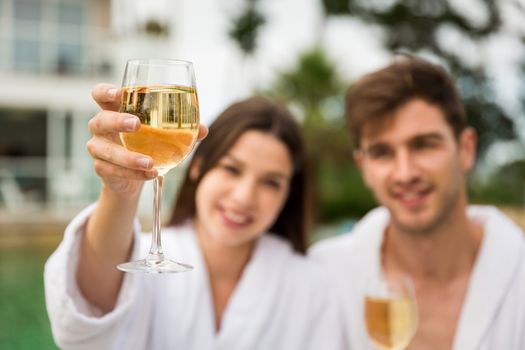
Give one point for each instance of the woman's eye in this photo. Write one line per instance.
(273, 184)
(230, 169)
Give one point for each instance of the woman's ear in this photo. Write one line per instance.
(195, 169)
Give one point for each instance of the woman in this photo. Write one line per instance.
(240, 219)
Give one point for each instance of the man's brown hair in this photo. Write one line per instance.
(373, 99)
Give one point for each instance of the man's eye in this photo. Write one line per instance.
(379, 153)
(424, 144)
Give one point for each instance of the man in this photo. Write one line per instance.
(467, 263)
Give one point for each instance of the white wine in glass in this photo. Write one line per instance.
(390, 312)
(163, 95)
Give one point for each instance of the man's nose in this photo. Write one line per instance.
(405, 169)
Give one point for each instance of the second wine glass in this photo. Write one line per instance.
(163, 94)
(390, 312)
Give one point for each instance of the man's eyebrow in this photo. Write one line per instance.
(378, 145)
(374, 146)
(432, 136)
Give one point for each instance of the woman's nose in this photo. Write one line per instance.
(244, 191)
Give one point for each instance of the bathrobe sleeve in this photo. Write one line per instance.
(75, 323)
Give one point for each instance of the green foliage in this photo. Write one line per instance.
(314, 87)
(507, 186)
(343, 193)
(246, 27)
(313, 80)
(309, 85)
(156, 28)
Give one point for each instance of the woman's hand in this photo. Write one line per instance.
(122, 171)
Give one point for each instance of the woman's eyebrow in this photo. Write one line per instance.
(232, 158)
(271, 173)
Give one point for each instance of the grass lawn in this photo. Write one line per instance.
(23, 322)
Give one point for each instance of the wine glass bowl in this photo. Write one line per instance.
(390, 312)
(163, 95)
(169, 119)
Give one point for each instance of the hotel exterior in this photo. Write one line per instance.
(52, 52)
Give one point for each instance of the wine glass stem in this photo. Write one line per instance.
(155, 251)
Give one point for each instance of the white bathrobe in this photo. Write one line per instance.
(281, 302)
(493, 314)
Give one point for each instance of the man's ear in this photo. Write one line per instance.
(468, 141)
(195, 169)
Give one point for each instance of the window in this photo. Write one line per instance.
(71, 13)
(28, 10)
(70, 51)
(69, 58)
(27, 55)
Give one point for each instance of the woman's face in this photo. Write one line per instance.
(242, 196)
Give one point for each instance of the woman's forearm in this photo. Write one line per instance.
(107, 242)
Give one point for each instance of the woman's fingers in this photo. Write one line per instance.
(108, 151)
(114, 173)
(108, 122)
(107, 96)
(105, 122)
(203, 132)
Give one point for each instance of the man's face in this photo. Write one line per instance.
(416, 167)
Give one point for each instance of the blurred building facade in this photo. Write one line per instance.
(52, 52)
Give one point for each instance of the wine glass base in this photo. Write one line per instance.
(162, 266)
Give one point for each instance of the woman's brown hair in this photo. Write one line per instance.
(259, 114)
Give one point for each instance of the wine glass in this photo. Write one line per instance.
(390, 311)
(163, 95)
